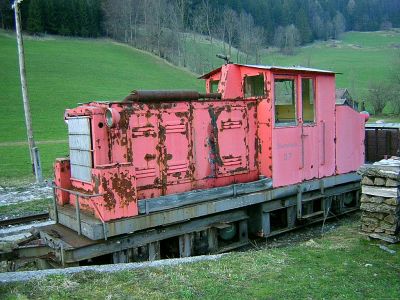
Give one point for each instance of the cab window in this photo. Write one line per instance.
(214, 86)
(308, 100)
(254, 86)
(285, 101)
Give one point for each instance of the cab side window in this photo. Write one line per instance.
(214, 86)
(285, 102)
(254, 86)
(308, 100)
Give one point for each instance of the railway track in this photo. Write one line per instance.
(24, 219)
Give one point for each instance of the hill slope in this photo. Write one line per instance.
(61, 73)
(361, 57)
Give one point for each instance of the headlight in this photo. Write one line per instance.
(112, 117)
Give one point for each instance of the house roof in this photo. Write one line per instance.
(340, 93)
(273, 68)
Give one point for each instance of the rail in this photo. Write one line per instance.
(24, 219)
(77, 206)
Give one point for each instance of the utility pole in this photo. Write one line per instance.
(33, 150)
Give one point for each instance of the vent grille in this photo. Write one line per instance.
(80, 146)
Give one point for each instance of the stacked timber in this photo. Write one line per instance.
(380, 200)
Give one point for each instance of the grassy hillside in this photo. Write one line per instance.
(339, 265)
(62, 72)
(361, 57)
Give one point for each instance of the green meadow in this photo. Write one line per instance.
(62, 72)
(359, 57)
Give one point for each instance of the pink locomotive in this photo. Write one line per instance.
(253, 122)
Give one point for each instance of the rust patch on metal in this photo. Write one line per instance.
(122, 184)
(109, 200)
(96, 183)
(149, 157)
(182, 114)
(124, 118)
(177, 175)
(162, 158)
(213, 138)
(129, 151)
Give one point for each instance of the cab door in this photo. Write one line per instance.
(295, 134)
(286, 132)
(308, 123)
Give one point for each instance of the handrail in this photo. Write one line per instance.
(77, 206)
(77, 193)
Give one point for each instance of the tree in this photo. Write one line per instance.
(287, 39)
(246, 25)
(386, 25)
(351, 5)
(6, 14)
(378, 96)
(303, 26)
(51, 23)
(339, 25)
(208, 17)
(35, 24)
(83, 19)
(395, 100)
(230, 20)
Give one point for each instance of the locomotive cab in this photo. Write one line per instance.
(302, 133)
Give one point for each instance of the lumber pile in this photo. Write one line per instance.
(380, 200)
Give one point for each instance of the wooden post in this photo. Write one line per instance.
(154, 251)
(185, 245)
(34, 154)
(212, 236)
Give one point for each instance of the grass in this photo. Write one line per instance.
(17, 163)
(340, 265)
(25, 208)
(386, 119)
(62, 72)
(361, 57)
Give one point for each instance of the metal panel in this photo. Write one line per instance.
(78, 125)
(232, 127)
(349, 131)
(80, 157)
(81, 172)
(79, 141)
(80, 148)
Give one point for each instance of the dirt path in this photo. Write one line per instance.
(23, 143)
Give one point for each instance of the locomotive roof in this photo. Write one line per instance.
(276, 68)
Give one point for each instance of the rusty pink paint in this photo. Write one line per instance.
(158, 148)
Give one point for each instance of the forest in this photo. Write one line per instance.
(175, 29)
(154, 24)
